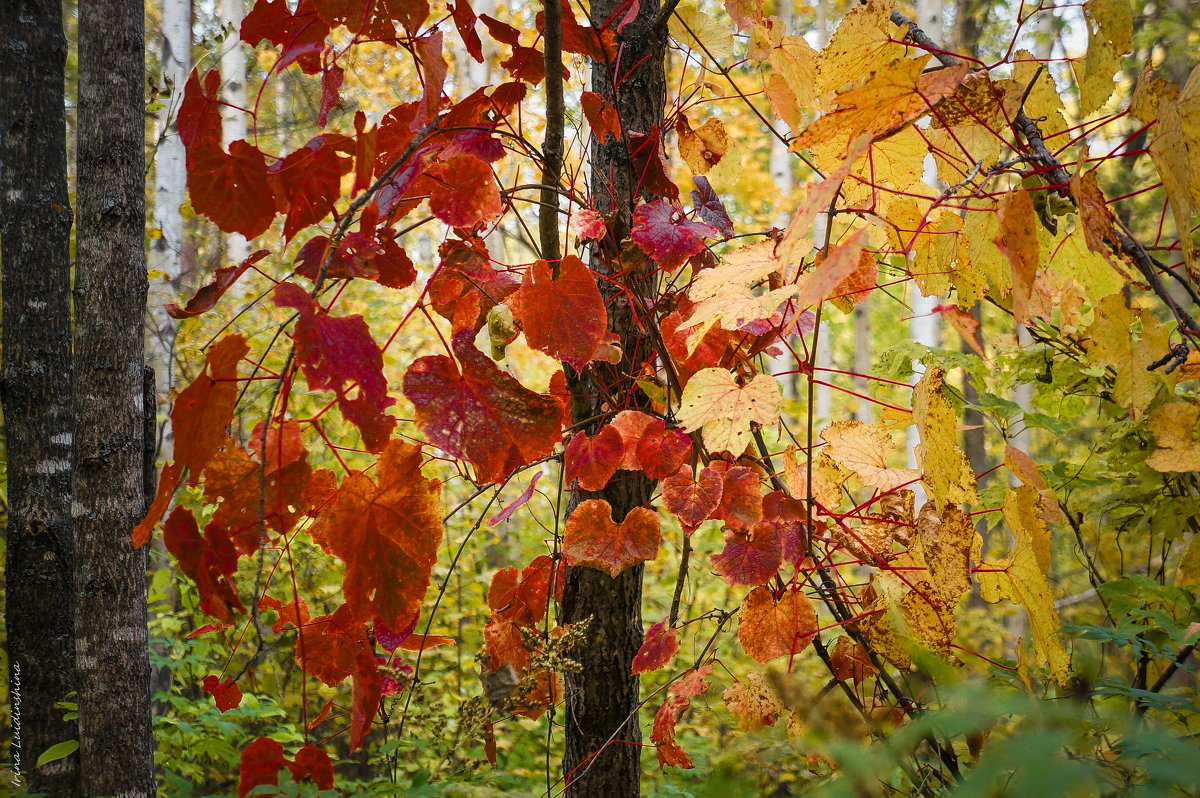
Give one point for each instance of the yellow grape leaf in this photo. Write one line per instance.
(743, 268)
(1023, 466)
(1111, 342)
(817, 285)
(1173, 426)
(1071, 257)
(1148, 93)
(980, 229)
(947, 471)
(946, 545)
(1044, 101)
(1110, 26)
(795, 243)
(975, 102)
(753, 703)
(827, 478)
(704, 34)
(864, 39)
(795, 61)
(745, 13)
(704, 147)
(714, 403)
(1175, 151)
(933, 242)
(863, 449)
(1017, 240)
(1188, 572)
(1098, 221)
(910, 610)
(895, 95)
(724, 294)
(1021, 579)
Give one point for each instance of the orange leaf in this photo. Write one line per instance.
(592, 538)
(388, 535)
(768, 628)
(563, 316)
(368, 686)
(593, 460)
(661, 451)
(741, 502)
(1017, 240)
(601, 116)
(663, 734)
(205, 408)
(750, 558)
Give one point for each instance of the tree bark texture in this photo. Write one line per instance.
(35, 236)
(116, 743)
(602, 755)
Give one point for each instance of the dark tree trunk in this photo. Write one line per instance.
(116, 743)
(35, 234)
(602, 755)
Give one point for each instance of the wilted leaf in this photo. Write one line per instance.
(947, 471)
(1017, 239)
(1173, 426)
(753, 703)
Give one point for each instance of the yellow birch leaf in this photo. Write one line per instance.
(1111, 342)
(714, 403)
(1110, 26)
(1017, 240)
(827, 479)
(1173, 426)
(704, 34)
(1021, 579)
(864, 39)
(864, 449)
(946, 469)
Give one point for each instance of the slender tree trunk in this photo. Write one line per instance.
(115, 739)
(602, 755)
(233, 92)
(35, 233)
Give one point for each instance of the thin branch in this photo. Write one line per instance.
(552, 146)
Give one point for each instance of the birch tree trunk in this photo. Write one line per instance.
(116, 746)
(35, 231)
(233, 93)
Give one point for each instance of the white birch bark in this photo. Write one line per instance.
(233, 92)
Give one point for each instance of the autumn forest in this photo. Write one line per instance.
(669, 398)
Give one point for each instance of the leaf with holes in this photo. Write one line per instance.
(666, 235)
(714, 403)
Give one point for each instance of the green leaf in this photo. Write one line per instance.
(58, 751)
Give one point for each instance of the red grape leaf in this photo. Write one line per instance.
(336, 352)
(331, 83)
(666, 235)
(465, 286)
(591, 537)
(209, 560)
(650, 165)
(260, 764)
(204, 409)
(359, 255)
(465, 191)
(330, 645)
(368, 686)
(563, 316)
(631, 424)
(601, 116)
(373, 19)
(582, 40)
(589, 225)
(301, 35)
(768, 628)
(523, 598)
(663, 733)
(226, 694)
(661, 451)
(208, 295)
(517, 503)
(473, 410)
(692, 500)
(307, 183)
(741, 501)
(659, 647)
(294, 613)
(593, 460)
(749, 558)
(429, 50)
(387, 532)
(709, 207)
(231, 188)
(464, 20)
(168, 480)
(313, 763)
(504, 645)
(199, 121)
